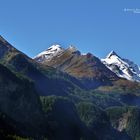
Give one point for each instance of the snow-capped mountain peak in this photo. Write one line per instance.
(112, 53)
(122, 67)
(55, 47)
(54, 51)
(48, 54)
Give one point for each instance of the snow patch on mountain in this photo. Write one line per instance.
(48, 54)
(122, 67)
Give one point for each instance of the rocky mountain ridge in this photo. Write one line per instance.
(58, 57)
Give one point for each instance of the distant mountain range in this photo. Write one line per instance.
(87, 68)
(62, 94)
(69, 59)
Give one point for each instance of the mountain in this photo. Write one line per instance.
(22, 115)
(63, 94)
(22, 83)
(87, 68)
(54, 50)
(122, 67)
(44, 77)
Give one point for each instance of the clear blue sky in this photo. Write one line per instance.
(96, 26)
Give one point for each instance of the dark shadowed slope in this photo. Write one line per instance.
(47, 80)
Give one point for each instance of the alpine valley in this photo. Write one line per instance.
(62, 94)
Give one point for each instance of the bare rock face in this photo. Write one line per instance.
(123, 121)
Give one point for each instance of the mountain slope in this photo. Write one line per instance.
(122, 67)
(23, 115)
(87, 68)
(45, 78)
(75, 112)
(20, 106)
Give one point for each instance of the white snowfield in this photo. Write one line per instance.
(48, 54)
(122, 67)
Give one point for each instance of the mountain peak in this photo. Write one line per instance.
(54, 47)
(48, 54)
(122, 67)
(111, 54)
(72, 48)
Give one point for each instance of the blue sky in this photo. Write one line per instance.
(96, 26)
